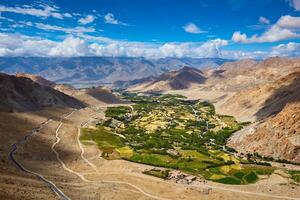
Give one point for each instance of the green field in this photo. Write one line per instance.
(158, 173)
(295, 175)
(174, 133)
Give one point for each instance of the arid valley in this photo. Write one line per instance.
(44, 154)
(131, 100)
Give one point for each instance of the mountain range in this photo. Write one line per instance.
(89, 71)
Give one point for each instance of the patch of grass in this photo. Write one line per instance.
(118, 113)
(153, 159)
(295, 175)
(158, 173)
(217, 176)
(191, 166)
(229, 180)
(237, 174)
(195, 155)
(105, 140)
(251, 177)
(125, 152)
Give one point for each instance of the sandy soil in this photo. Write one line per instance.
(85, 175)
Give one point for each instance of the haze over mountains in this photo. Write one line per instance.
(86, 71)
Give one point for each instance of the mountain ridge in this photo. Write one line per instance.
(91, 71)
(23, 94)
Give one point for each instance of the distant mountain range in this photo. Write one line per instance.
(88, 71)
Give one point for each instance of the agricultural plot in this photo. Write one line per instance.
(174, 133)
(295, 175)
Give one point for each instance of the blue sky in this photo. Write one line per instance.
(150, 28)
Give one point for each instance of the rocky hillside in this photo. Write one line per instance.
(38, 79)
(23, 94)
(94, 95)
(180, 79)
(90, 96)
(255, 100)
(64, 88)
(241, 75)
(278, 133)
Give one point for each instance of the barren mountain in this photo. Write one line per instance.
(95, 95)
(38, 79)
(180, 79)
(86, 95)
(23, 94)
(241, 75)
(267, 77)
(64, 88)
(278, 134)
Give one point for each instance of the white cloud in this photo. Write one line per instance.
(22, 45)
(263, 20)
(290, 22)
(287, 27)
(86, 20)
(289, 49)
(78, 29)
(43, 11)
(85, 45)
(295, 4)
(192, 28)
(109, 18)
(69, 47)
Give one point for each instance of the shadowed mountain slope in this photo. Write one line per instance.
(278, 133)
(23, 94)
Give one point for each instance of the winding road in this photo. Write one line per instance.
(49, 184)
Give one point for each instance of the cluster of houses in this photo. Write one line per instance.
(182, 178)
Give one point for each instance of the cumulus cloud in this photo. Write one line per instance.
(289, 49)
(86, 20)
(43, 11)
(192, 28)
(295, 4)
(289, 22)
(85, 45)
(109, 18)
(69, 47)
(22, 45)
(287, 27)
(263, 20)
